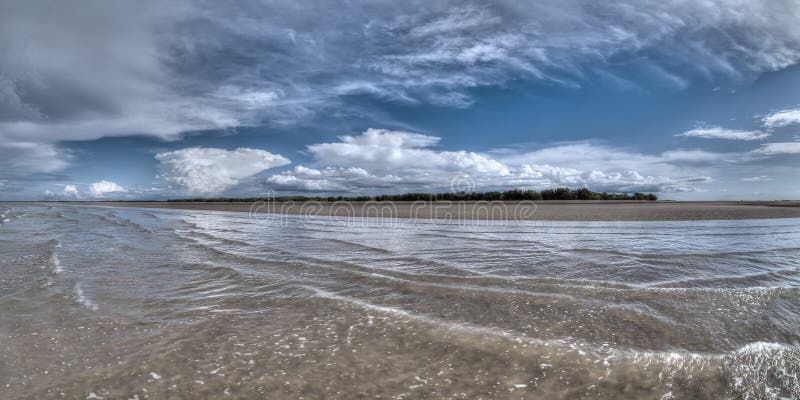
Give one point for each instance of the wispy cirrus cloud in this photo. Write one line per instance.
(781, 118)
(779, 148)
(722, 133)
(760, 178)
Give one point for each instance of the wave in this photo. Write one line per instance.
(84, 299)
(673, 255)
(781, 276)
(753, 370)
(111, 218)
(348, 243)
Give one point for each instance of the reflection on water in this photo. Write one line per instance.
(129, 303)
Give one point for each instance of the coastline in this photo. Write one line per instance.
(581, 210)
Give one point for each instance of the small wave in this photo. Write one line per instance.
(673, 255)
(83, 299)
(52, 248)
(112, 218)
(56, 263)
(734, 281)
(756, 370)
(348, 243)
(211, 237)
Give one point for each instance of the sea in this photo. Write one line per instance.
(132, 303)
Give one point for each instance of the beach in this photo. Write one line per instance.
(540, 210)
(134, 303)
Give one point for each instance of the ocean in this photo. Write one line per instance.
(132, 303)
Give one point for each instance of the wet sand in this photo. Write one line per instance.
(540, 210)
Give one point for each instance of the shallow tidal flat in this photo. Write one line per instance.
(126, 302)
(539, 210)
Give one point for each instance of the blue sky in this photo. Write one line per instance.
(115, 100)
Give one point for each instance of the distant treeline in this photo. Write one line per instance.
(509, 195)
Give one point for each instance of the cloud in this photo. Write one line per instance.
(208, 170)
(697, 156)
(387, 151)
(779, 148)
(100, 189)
(71, 190)
(403, 161)
(332, 179)
(92, 69)
(781, 119)
(722, 133)
(760, 178)
(301, 59)
(18, 158)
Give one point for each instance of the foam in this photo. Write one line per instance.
(83, 299)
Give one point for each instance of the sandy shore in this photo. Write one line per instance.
(542, 210)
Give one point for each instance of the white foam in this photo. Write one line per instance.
(83, 299)
(568, 344)
(56, 263)
(55, 260)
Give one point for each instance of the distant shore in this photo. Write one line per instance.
(584, 210)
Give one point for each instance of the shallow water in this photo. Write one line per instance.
(134, 303)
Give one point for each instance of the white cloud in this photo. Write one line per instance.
(760, 178)
(722, 133)
(26, 157)
(390, 151)
(334, 179)
(697, 156)
(70, 190)
(208, 170)
(779, 148)
(781, 119)
(101, 188)
(403, 161)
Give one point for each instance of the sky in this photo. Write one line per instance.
(691, 100)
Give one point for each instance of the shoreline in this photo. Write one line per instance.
(554, 210)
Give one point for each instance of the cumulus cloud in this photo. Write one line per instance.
(208, 170)
(383, 150)
(397, 161)
(71, 190)
(722, 133)
(99, 189)
(781, 119)
(332, 179)
(779, 148)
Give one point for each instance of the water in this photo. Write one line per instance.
(134, 303)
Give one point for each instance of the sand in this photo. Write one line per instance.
(540, 210)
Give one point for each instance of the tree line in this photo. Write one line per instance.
(508, 195)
